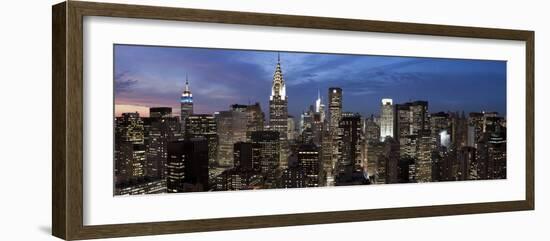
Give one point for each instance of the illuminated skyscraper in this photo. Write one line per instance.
(278, 103)
(350, 143)
(320, 107)
(386, 119)
(129, 148)
(163, 129)
(335, 114)
(334, 107)
(278, 111)
(309, 162)
(412, 123)
(255, 117)
(231, 127)
(267, 145)
(186, 102)
(204, 125)
(424, 163)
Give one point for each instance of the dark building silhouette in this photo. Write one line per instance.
(160, 112)
(349, 143)
(205, 126)
(267, 145)
(246, 157)
(187, 167)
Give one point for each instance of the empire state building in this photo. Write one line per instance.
(186, 101)
(278, 103)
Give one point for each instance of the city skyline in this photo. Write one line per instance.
(149, 76)
(216, 141)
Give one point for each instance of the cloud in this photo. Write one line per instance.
(124, 83)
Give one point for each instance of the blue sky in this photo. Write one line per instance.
(148, 76)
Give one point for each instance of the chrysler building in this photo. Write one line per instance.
(278, 103)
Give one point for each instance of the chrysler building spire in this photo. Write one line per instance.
(278, 89)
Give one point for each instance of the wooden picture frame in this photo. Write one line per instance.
(67, 150)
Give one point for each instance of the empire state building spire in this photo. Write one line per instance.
(187, 84)
(186, 102)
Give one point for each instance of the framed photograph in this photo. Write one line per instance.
(171, 120)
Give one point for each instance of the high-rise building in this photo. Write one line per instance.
(309, 161)
(326, 158)
(424, 164)
(186, 103)
(335, 103)
(386, 119)
(129, 148)
(278, 109)
(412, 121)
(320, 107)
(204, 125)
(374, 151)
(440, 128)
(278, 112)
(372, 130)
(334, 107)
(245, 157)
(162, 130)
(291, 131)
(255, 117)
(267, 145)
(469, 165)
(232, 126)
(388, 161)
(187, 166)
(350, 143)
(492, 153)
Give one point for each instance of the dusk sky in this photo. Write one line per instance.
(151, 76)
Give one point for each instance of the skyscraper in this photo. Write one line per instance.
(278, 103)
(187, 166)
(335, 114)
(204, 125)
(278, 111)
(386, 119)
(255, 117)
(267, 145)
(309, 162)
(334, 107)
(372, 130)
(186, 102)
(163, 129)
(244, 156)
(424, 164)
(412, 122)
(320, 107)
(350, 143)
(231, 129)
(129, 148)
